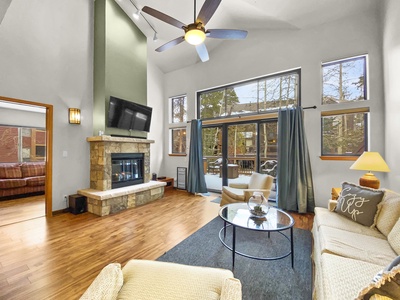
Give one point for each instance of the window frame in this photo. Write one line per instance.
(343, 108)
(177, 125)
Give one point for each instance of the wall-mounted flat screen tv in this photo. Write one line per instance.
(128, 115)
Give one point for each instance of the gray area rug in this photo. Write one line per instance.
(216, 200)
(260, 279)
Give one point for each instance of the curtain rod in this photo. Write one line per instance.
(310, 107)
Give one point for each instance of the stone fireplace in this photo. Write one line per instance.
(120, 175)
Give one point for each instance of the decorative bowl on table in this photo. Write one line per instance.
(258, 205)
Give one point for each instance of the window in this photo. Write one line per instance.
(344, 81)
(178, 109)
(178, 141)
(178, 118)
(255, 96)
(344, 132)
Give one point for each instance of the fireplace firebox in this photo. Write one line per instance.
(127, 169)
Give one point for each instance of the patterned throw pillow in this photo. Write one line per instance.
(385, 284)
(359, 203)
(394, 237)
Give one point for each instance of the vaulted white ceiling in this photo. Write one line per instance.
(255, 16)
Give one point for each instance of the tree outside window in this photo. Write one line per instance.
(178, 140)
(178, 109)
(344, 81)
(344, 134)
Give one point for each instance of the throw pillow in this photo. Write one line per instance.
(389, 212)
(359, 203)
(386, 283)
(394, 237)
(106, 285)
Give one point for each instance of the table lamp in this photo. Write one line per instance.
(370, 161)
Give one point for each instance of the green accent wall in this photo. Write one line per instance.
(120, 63)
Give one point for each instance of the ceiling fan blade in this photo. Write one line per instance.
(232, 34)
(163, 17)
(207, 11)
(170, 44)
(202, 52)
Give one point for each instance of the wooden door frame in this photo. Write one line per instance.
(49, 149)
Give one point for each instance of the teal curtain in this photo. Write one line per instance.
(295, 190)
(196, 179)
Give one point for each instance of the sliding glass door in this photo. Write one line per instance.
(232, 152)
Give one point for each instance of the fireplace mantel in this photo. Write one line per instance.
(109, 138)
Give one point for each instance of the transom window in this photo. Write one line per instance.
(178, 109)
(344, 81)
(251, 97)
(177, 126)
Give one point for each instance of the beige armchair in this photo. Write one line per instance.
(150, 280)
(241, 192)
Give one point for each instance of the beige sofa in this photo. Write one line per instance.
(155, 280)
(347, 255)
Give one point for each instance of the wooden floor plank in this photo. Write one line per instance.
(58, 257)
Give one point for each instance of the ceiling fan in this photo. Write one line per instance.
(195, 33)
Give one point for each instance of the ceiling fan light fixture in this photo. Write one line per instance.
(195, 36)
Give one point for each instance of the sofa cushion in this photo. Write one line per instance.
(237, 194)
(359, 203)
(260, 181)
(394, 237)
(324, 217)
(386, 283)
(149, 280)
(343, 278)
(106, 285)
(12, 183)
(32, 169)
(355, 245)
(35, 181)
(389, 212)
(10, 170)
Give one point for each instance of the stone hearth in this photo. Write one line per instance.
(101, 198)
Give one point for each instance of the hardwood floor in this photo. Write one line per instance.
(58, 257)
(22, 209)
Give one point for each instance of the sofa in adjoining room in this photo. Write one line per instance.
(357, 245)
(22, 178)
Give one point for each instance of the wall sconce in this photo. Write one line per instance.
(74, 116)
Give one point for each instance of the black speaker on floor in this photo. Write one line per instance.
(77, 204)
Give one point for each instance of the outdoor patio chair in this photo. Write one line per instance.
(214, 167)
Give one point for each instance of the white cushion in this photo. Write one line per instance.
(394, 237)
(106, 285)
(150, 280)
(389, 212)
(354, 245)
(343, 278)
(327, 218)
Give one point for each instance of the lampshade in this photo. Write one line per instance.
(195, 36)
(370, 161)
(74, 116)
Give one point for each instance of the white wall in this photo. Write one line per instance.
(156, 100)
(46, 56)
(268, 52)
(391, 63)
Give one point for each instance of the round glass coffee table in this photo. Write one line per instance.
(238, 215)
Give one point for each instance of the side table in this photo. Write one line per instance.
(169, 181)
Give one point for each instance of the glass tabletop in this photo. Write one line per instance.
(238, 214)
